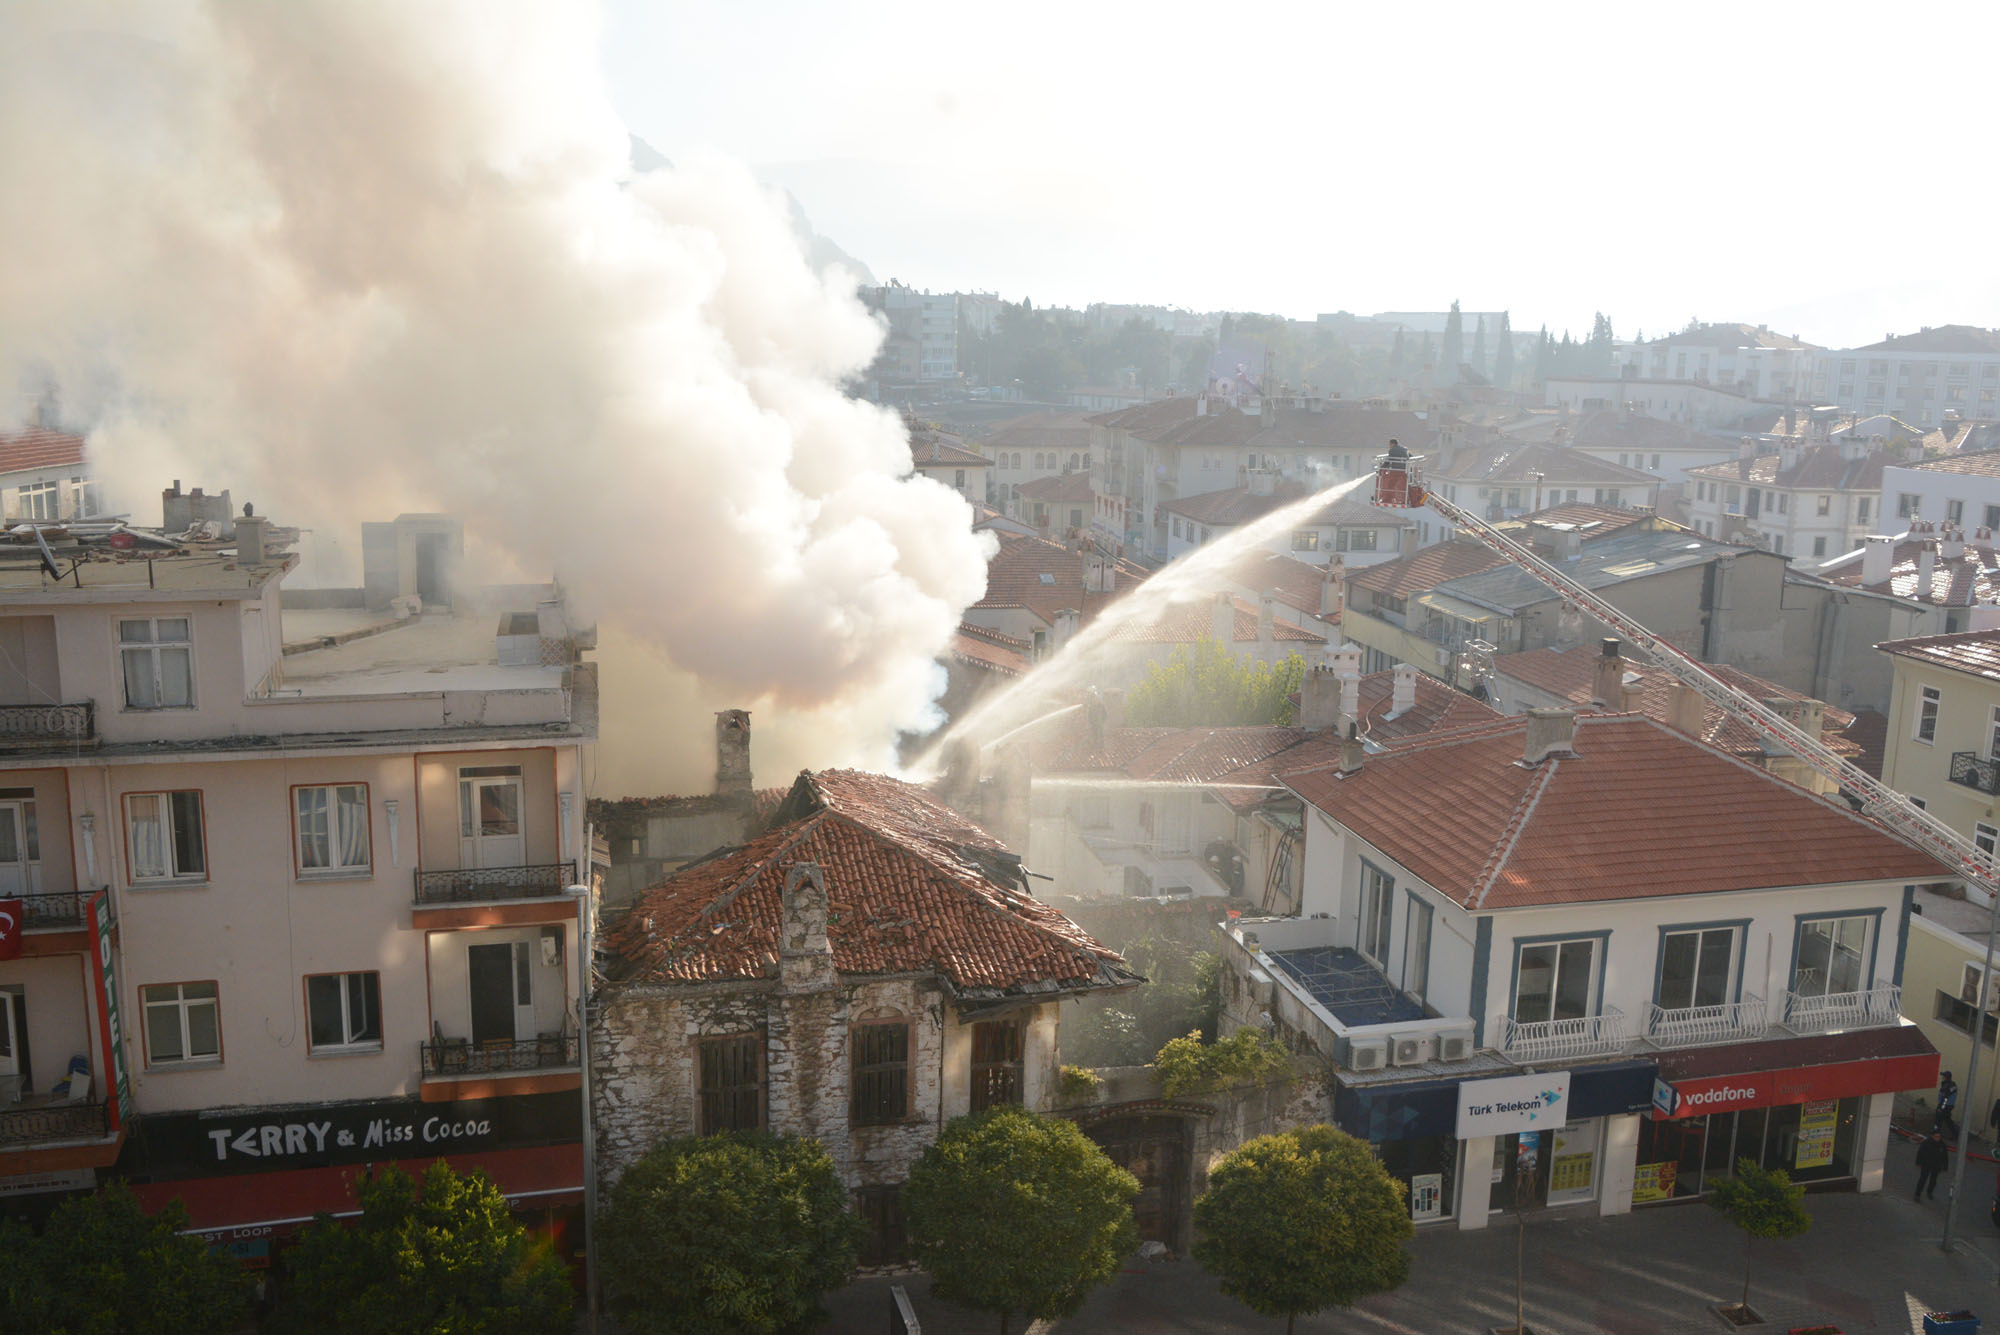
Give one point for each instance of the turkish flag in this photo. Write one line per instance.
(12, 914)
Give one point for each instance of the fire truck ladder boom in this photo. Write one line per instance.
(1887, 806)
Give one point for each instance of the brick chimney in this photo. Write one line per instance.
(732, 755)
(1403, 697)
(805, 955)
(1608, 677)
(1631, 691)
(1551, 732)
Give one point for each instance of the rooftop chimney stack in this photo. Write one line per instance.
(250, 540)
(1347, 671)
(1222, 624)
(805, 955)
(1878, 560)
(1607, 680)
(1551, 732)
(1926, 568)
(1332, 591)
(1951, 542)
(732, 755)
(1404, 688)
(1686, 710)
(1067, 621)
(1267, 616)
(1319, 699)
(1351, 751)
(1631, 690)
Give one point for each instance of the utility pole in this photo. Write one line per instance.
(1971, 1085)
(586, 919)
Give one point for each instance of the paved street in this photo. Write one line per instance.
(1870, 1263)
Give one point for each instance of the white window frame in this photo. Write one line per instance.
(1930, 700)
(1597, 946)
(327, 822)
(1986, 841)
(1865, 953)
(170, 845)
(149, 650)
(351, 994)
(1700, 935)
(40, 501)
(1372, 935)
(154, 1004)
(1993, 733)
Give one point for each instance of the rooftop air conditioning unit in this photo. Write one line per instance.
(1367, 1054)
(1455, 1045)
(1411, 1049)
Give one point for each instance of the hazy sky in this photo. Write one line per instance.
(1829, 170)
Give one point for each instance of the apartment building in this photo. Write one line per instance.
(1936, 375)
(927, 320)
(1589, 962)
(943, 457)
(1350, 526)
(1807, 501)
(1959, 490)
(1749, 358)
(295, 871)
(1500, 479)
(45, 476)
(1943, 747)
(1029, 448)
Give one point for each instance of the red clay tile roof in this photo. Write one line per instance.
(1425, 568)
(1820, 468)
(1060, 487)
(1639, 811)
(1193, 622)
(1438, 708)
(1981, 463)
(39, 447)
(931, 450)
(990, 650)
(911, 886)
(1510, 462)
(1591, 520)
(1014, 579)
(1971, 651)
(1064, 431)
(1294, 583)
(1240, 505)
(1944, 338)
(1959, 583)
(1571, 674)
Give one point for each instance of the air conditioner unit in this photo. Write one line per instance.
(1410, 1049)
(1367, 1054)
(1455, 1045)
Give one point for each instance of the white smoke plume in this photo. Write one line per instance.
(352, 258)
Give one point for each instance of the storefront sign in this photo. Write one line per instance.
(1512, 1103)
(104, 976)
(1665, 1099)
(33, 1184)
(1655, 1181)
(1427, 1196)
(272, 1139)
(1816, 1125)
(1573, 1164)
(1804, 1084)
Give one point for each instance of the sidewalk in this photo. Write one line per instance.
(1870, 1263)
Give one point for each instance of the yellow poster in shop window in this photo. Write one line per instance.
(1816, 1124)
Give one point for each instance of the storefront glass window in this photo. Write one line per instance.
(1812, 1142)
(1428, 1166)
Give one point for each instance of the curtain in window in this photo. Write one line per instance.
(314, 853)
(149, 835)
(352, 819)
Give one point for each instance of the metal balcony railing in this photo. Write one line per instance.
(41, 725)
(471, 884)
(1826, 1012)
(1975, 771)
(57, 910)
(1557, 1040)
(1697, 1026)
(47, 1122)
(461, 1056)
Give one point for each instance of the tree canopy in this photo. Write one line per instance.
(444, 1256)
(1764, 1203)
(103, 1266)
(1208, 686)
(738, 1234)
(1011, 1212)
(1302, 1221)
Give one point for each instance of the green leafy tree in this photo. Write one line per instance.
(443, 1256)
(103, 1266)
(1302, 1221)
(738, 1233)
(1454, 345)
(1011, 1212)
(1186, 1065)
(1205, 685)
(1503, 354)
(1764, 1203)
(1182, 992)
(1545, 357)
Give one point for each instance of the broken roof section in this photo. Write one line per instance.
(912, 887)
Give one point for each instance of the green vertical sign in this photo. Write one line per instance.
(104, 974)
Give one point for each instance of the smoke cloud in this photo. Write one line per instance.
(352, 258)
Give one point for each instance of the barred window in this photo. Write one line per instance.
(732, 1083)
(880, 1087)
(996, 1062)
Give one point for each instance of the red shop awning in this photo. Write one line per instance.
(253, 1205)
(1776, 1073)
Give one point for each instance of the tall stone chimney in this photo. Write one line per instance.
(1608, 677)
(1551, 732)
(1926, 569)
(1403, 688)
(805, 955)
(1222, 621)
(1267, 618)
(1878, 560)
(732, 755)
(1686, 710)
(1319, 699)
(1352, 753)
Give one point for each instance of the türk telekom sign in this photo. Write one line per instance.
(1512, 1103)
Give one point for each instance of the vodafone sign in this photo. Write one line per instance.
(1701, 1096)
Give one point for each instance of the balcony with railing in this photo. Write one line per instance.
(1699, 1026)
(30, 727)
(61, 911)
(448, 1057)
(1829, 1011)
(1599, 1035)
(477, 885)
(53, 1121)
(1975, 771)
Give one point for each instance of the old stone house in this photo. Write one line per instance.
(869, 967)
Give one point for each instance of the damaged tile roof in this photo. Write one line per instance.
(934, 449)
(1976, 652)
(1591, 520)
(1570, 674)
(912, 887)
(1638, 811)
(1241, 505)
(989, 649)
(1014, 578)
(39, 447)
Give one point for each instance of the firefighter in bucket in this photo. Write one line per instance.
(1396, 485)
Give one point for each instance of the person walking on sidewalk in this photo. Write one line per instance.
(1947, 1105)
(1932, 1156)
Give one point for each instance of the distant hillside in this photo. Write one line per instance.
(820, 252)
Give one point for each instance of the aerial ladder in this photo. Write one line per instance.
(1399, 485)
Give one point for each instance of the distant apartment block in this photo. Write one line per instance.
(929, 320)
(44, 476)
(1926, 378)
(1748, 358)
